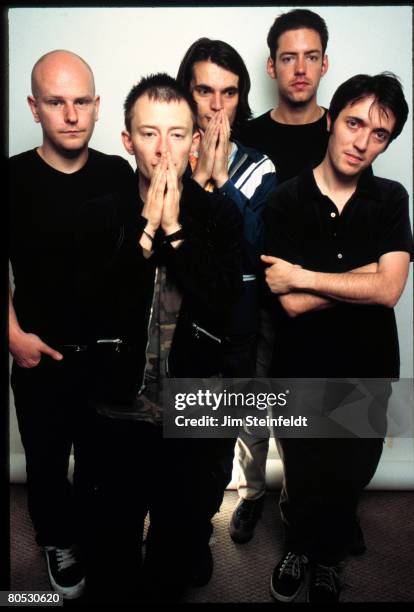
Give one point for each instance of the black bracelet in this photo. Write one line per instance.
(178, 235)
(148, 235)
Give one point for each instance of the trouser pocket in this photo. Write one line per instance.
(114, 372)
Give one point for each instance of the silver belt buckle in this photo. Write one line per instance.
(116, 341)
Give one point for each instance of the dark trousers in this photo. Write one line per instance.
(239, 356)
(324, 477)
(240, 345)
(323, 480)
(52, 413)
(180, 482)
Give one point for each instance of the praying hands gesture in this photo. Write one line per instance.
(162, 204)
(213, 153)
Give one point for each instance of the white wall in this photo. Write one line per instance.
(123, 44)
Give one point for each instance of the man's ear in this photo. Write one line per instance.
(127, 141)
(33, 107)
(195, 144)
(325, 65)
(271, 68)
(328, 122)
(97, 102)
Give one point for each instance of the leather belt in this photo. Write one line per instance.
(82, 348)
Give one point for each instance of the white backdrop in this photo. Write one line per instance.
(123, 44)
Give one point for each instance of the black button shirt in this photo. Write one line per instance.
(303, 226)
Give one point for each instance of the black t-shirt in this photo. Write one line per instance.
(45, 208)
(290, 147)
(303, 227)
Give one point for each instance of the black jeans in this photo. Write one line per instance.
(180, 482)
(323, 480)
(53, 414)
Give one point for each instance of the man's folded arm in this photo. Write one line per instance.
(297, 303)
(383, 286)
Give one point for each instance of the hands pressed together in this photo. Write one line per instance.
(213, 154)
(162, 204)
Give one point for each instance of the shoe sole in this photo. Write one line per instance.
(67, 592)
(285, 598)
(332, 603)
(237, 538)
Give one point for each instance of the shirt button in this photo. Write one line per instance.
(339, 255)
(333, 215)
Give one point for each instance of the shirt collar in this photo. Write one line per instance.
(366, 184)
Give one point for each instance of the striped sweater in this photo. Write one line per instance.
(252, 178)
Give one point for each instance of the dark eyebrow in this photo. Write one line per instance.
(383, 130)
(358, 119)
(226, 89)
(362, 122)
(306, 52)
(202, 86)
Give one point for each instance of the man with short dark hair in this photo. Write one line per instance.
(294, 135)
(184, 248)
(339, 243)
(48, 323)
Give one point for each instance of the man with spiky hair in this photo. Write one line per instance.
(184, 245)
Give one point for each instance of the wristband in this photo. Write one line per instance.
(178, 235)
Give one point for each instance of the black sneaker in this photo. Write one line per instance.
(66, 574)
(324, 585)
(288, 577)
(244, 519)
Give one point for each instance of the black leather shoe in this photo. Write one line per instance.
(244, 519)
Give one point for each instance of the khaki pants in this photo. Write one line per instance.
(251, 454)
(251, 451)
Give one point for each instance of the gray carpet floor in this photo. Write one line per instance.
(242, 571)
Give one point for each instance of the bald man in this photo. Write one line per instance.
(52, 312)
